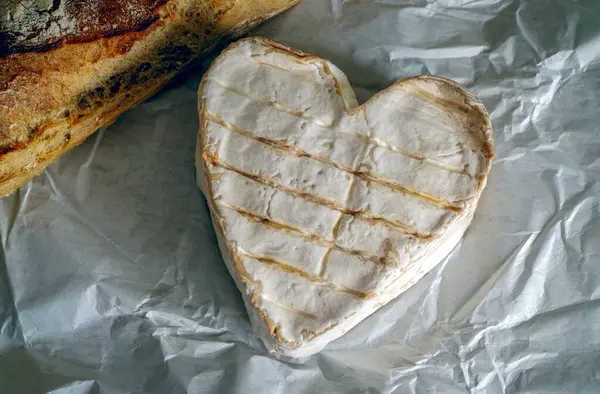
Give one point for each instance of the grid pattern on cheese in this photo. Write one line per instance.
(298, 95)
(263, 121)
(269, 203)
(377, 159)
(398, 207)
(418, 175)
(240, 191)
(260, 240)
(284, 168)
(369, 197)
(322, 180)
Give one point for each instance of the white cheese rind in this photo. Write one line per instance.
(267, 202)
(289, 171)
(419, 175)
(261, 240)
(282, 127)
(411, 124)
(326, 210)
(372, 238)
(381, 201)
(356, 273)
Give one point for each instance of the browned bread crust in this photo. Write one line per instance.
(37, 25)
(52, 99)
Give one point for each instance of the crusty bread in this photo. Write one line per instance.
(55, 93)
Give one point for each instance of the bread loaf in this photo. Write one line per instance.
(68, 68)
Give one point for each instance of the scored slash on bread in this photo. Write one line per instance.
(72, 67)
(326, 210)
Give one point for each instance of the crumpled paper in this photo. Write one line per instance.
(111, 280)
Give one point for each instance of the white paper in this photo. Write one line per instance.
(111, 280)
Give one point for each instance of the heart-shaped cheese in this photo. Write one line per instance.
(326, 210)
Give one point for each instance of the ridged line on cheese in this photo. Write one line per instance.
(262, 199)
(327, 127)
(318, 100)
(380, 201)
(448, 105)
(385, 201)
(355, 272)
(351, 233)
(303, 74)
(391, 98)
(304, 236)
(335, 231)
(315, 67)
(325, 260)
(311, 67)
(287, 269)
(312, 71)
(286, 288)
(380, 164)
(364, 173)
(289, 308)
(290, 131)
(243, 194)
(370, 202)
(292, 111)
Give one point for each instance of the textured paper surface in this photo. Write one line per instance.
(111, 280)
